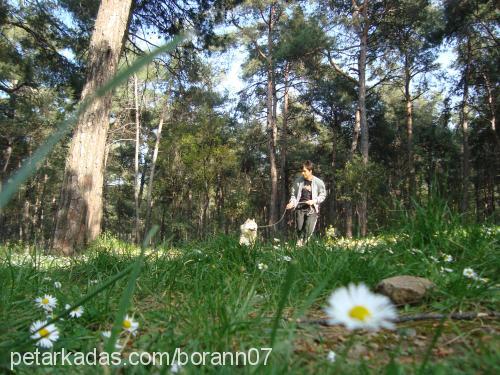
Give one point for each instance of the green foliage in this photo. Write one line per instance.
(358, 178)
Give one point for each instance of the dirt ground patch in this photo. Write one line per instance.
(409, 342)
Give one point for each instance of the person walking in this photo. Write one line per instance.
(307, 193)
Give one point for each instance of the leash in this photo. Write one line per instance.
(271, 225)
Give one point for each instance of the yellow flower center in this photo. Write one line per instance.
(45, 301)
(44, 332)
(359, 313)
(127, 324)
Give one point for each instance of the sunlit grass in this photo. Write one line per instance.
(213, 295)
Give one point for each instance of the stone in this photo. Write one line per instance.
(404, 290)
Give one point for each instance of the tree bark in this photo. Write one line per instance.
(491, 90)
(363, 25)
(149, 207)
(333, 164)
(464, 125)
(271, 123)
(7, 153)
(349, 203)
(137, 181)
(283, 150)
(409, 133)
(80, 205)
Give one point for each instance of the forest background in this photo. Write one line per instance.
(356, 87)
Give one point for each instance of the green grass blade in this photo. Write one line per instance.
(287, 285)
(127, 293)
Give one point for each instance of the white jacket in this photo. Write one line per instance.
(317, 188)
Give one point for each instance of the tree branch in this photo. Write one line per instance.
(418, 317)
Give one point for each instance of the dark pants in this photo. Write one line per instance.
(306, 221)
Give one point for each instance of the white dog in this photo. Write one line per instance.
(248, 232)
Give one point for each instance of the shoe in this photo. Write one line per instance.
(300, 242)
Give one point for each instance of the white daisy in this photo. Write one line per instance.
(262, 266)
(331, 356)
(469, 273)
(448, 258)
(357, 307)
(45, 336)
(76, 312)
(130, 325)
(92, 282)
(286, 258)
(276, 240)
(47, 302)
(444, 269)
(57, 285)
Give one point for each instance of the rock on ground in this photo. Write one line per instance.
(404, 290)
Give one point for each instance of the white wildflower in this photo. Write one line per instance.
(356, 306)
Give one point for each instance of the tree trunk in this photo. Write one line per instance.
(3, 173)
(492, 105)
(494, 167)
(409, 132)
(464, 125)
(41, 211)
(333, 193)
(271, 123)
(149, 207)
(284, 130)
(204, 212)
(142, 181)
(219, 196)
(25, 222)
(80, 205)
(348, 204)
(137, 181)
(363, 35)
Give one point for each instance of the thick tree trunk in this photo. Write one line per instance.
(80, 206)
(271, 123)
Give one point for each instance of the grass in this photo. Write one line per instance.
(212, 296)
